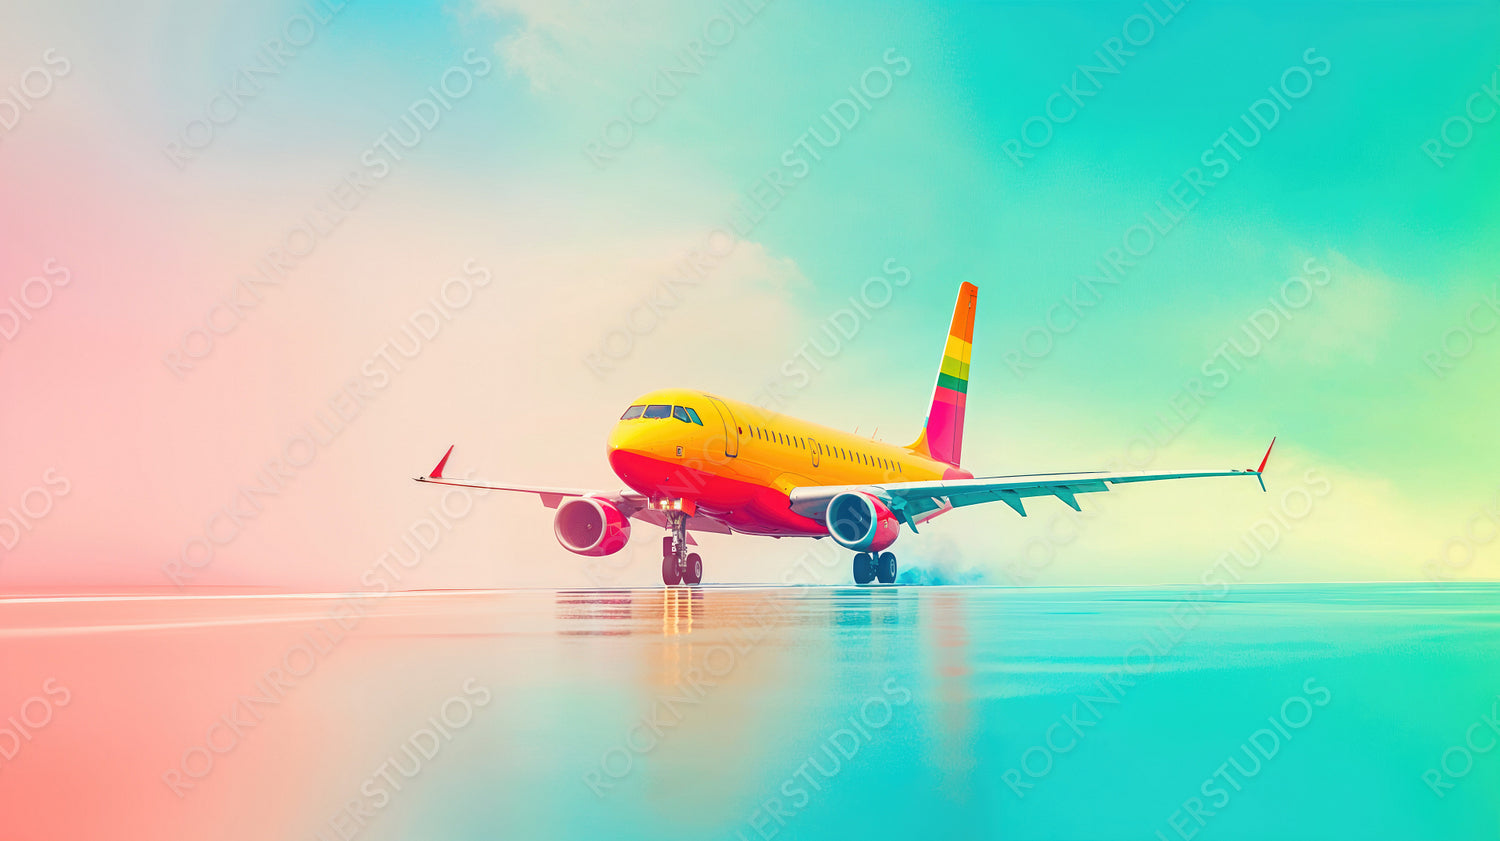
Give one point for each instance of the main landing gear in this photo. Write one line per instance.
(677, 563)
(869, 566)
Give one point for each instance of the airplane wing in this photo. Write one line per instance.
(630, 503)
(914, 502)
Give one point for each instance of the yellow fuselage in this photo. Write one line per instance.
(739, 462)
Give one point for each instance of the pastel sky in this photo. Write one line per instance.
(140, 222)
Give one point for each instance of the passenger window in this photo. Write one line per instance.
(692, 414)
(657, 411)
(633, 412)
(681, 414)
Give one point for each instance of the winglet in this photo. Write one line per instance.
(437, 472)
(1259, 471)
(1267, 458)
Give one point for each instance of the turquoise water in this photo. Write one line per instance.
(1296, 711)
(1388, 677)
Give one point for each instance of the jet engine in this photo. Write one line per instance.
(588, 526)
(861, 522)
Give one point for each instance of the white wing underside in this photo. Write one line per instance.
(914, 502)
(630, 503)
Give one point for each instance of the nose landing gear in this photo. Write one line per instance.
(670, 574)
(677, 563)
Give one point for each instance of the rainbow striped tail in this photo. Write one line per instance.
(942, 435)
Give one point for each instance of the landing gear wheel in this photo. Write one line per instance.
(885, 568)
(669, 573)
(864, 568)
(677, 564)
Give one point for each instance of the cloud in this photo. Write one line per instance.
(573, 46)
(1349, 320)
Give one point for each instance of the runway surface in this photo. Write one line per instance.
(1298, 711)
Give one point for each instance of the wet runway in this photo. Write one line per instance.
(1306, 711)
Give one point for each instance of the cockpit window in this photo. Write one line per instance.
(657, 411)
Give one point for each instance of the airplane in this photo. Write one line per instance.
(697, 462)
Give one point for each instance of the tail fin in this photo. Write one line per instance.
(942, 435)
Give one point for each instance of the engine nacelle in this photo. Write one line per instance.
(861, 522)
(585, 525)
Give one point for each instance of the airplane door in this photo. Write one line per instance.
(731, 427)
(812, 446)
